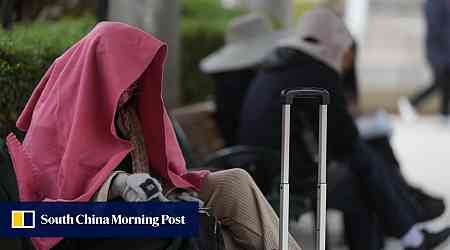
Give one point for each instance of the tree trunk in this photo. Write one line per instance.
(160, 18)
(101, 10)
(7, 11)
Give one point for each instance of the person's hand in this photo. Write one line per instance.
(137, 187)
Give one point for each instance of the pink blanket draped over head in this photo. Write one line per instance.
(71, 144)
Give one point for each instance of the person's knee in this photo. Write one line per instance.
(228, 182)
(240, 175)
(233, 180)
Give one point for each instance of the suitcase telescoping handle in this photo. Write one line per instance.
(288, 97)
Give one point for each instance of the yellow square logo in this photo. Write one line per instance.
(22, 219)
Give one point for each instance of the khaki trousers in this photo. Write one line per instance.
(248, 220)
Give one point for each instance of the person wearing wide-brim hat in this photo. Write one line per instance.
(248, 40)
(312, 56)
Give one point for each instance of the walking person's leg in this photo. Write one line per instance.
(418, 98)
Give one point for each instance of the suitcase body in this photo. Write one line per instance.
(288, 97)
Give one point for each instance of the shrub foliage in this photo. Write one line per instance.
(25, 54)
(27, 51)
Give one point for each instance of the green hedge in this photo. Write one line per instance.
(27, 51)
(25, 54)
(203, 25)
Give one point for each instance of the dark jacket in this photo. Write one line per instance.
(231, 88)
(261, 114)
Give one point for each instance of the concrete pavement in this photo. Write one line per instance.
(392, 59)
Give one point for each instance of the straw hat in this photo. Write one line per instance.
(248, 39)
(321, 34)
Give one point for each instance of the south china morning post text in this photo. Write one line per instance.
(99, 219)
(115, 219)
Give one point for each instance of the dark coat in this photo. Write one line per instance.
(231, 88)
(261, 114)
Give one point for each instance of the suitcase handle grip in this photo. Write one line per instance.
(288, 95)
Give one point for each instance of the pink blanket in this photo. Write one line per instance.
(71, 144)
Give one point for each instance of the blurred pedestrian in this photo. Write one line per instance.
(437, 17)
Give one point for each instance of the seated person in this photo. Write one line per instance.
(233, 74)
(100, 104)
(313, 57)
(248, 39)
(378, 137)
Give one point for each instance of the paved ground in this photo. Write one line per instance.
(392, 60)
(423, 148)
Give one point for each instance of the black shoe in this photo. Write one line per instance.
(428, 207)
(432, 240)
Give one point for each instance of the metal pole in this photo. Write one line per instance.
(284, 184)
(322, 181)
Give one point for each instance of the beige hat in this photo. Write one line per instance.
(248, 40)
(321, 34)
